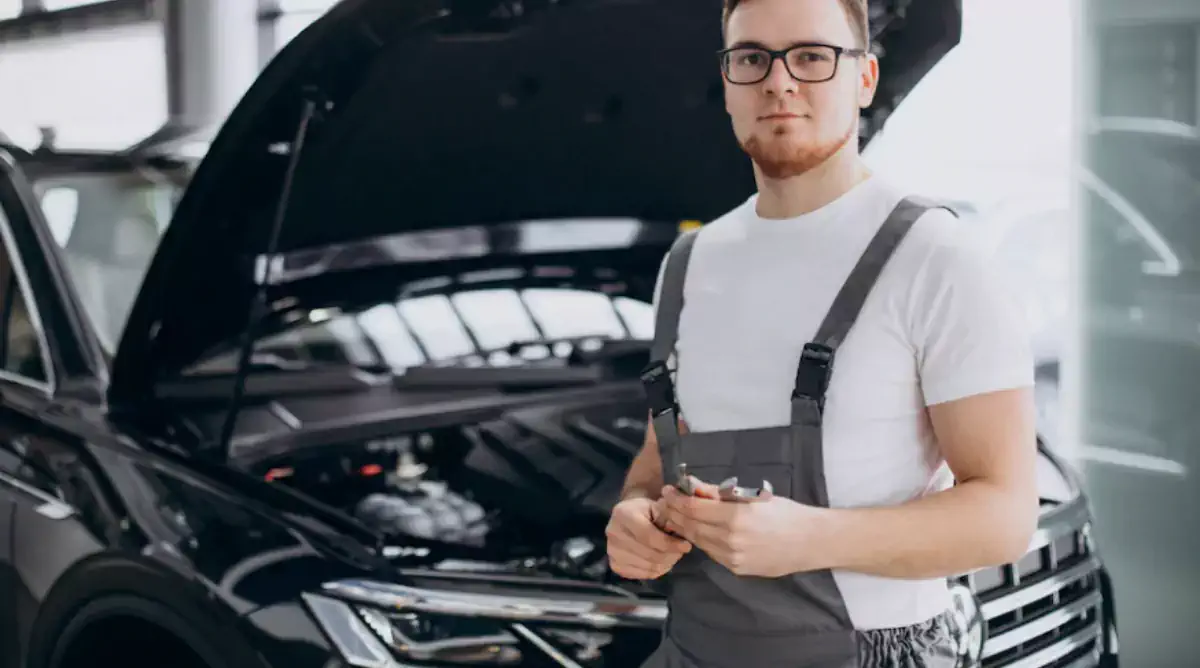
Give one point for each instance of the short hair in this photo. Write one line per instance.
(856, 13)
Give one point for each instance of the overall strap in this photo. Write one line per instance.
(670, 298)
(656, 379)
(816, 361)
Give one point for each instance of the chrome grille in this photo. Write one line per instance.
(1045, 610)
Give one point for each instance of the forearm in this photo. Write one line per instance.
(645, 474)
(972, 525)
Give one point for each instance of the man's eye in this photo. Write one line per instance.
(751, 59)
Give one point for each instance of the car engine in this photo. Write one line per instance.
(531, 490)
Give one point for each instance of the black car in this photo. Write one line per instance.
(377, 388)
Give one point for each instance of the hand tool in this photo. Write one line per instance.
(729, 490)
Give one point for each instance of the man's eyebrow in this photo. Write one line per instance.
(749, 43)
(743, 44)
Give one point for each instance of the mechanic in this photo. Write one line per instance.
(848, 348)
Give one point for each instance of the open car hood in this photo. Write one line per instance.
(434, 115)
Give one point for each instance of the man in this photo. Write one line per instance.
(847, 345)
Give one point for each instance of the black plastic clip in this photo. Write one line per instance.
(660, 391)
(814, 371)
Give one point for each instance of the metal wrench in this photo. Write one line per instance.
(729, 490)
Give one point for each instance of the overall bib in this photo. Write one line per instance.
(721, 620)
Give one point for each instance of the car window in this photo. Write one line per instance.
(21, 350)
(108, 225)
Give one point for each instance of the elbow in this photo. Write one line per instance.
(1016, 529)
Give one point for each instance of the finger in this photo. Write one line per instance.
(703, 536)
(630, 565)
(683, 526)
(705, 490)
(651, 543)
(629, 559)
(655, 537)
(708, 511)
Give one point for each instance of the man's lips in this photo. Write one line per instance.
(778, 116)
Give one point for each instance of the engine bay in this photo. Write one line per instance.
(531, 490)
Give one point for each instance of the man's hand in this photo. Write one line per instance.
(637, 549)
(768, 538)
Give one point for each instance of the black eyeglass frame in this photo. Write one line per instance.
(781, 54)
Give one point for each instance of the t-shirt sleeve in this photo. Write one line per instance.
(969, 334)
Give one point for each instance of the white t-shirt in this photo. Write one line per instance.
(938, 326)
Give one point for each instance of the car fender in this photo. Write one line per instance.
(109, 585)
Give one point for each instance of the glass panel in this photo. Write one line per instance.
(497, 318)
(1139, 421)
(437, 326)
(564, 314)
(22, 352)
(638, 317)
(383, 325)
(108, 225)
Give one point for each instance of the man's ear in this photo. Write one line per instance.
(868, 80)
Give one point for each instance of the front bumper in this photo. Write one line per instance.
(1052, 609)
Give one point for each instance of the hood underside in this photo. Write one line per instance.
(443, 114)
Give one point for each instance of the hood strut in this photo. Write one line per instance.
(258, 305)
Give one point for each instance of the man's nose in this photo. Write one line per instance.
(779, 81)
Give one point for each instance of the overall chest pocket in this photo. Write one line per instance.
(753, 455)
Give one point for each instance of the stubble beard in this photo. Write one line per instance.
(780, 157)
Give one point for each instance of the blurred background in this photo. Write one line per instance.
(1066, 132)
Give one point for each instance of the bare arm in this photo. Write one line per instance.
(988, 518)
(645, 479)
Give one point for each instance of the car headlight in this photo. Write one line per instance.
(379, 625)
(373, 638)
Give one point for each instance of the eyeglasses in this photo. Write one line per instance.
(809, 63)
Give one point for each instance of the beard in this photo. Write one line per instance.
(781, 155)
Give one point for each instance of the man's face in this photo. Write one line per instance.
(788, 126)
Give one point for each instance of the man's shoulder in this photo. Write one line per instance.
(940, 235)
(727, 222)
(941, 251)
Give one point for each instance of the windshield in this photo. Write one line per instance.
(107, 223)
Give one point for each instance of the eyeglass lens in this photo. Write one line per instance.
(806, 63)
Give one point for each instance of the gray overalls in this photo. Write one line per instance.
(721, 620)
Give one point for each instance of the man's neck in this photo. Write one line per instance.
(798, 195)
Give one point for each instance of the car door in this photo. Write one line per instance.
(8, 622)
(24, 387)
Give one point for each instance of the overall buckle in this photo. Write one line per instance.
(814, 372)
(660, 391)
